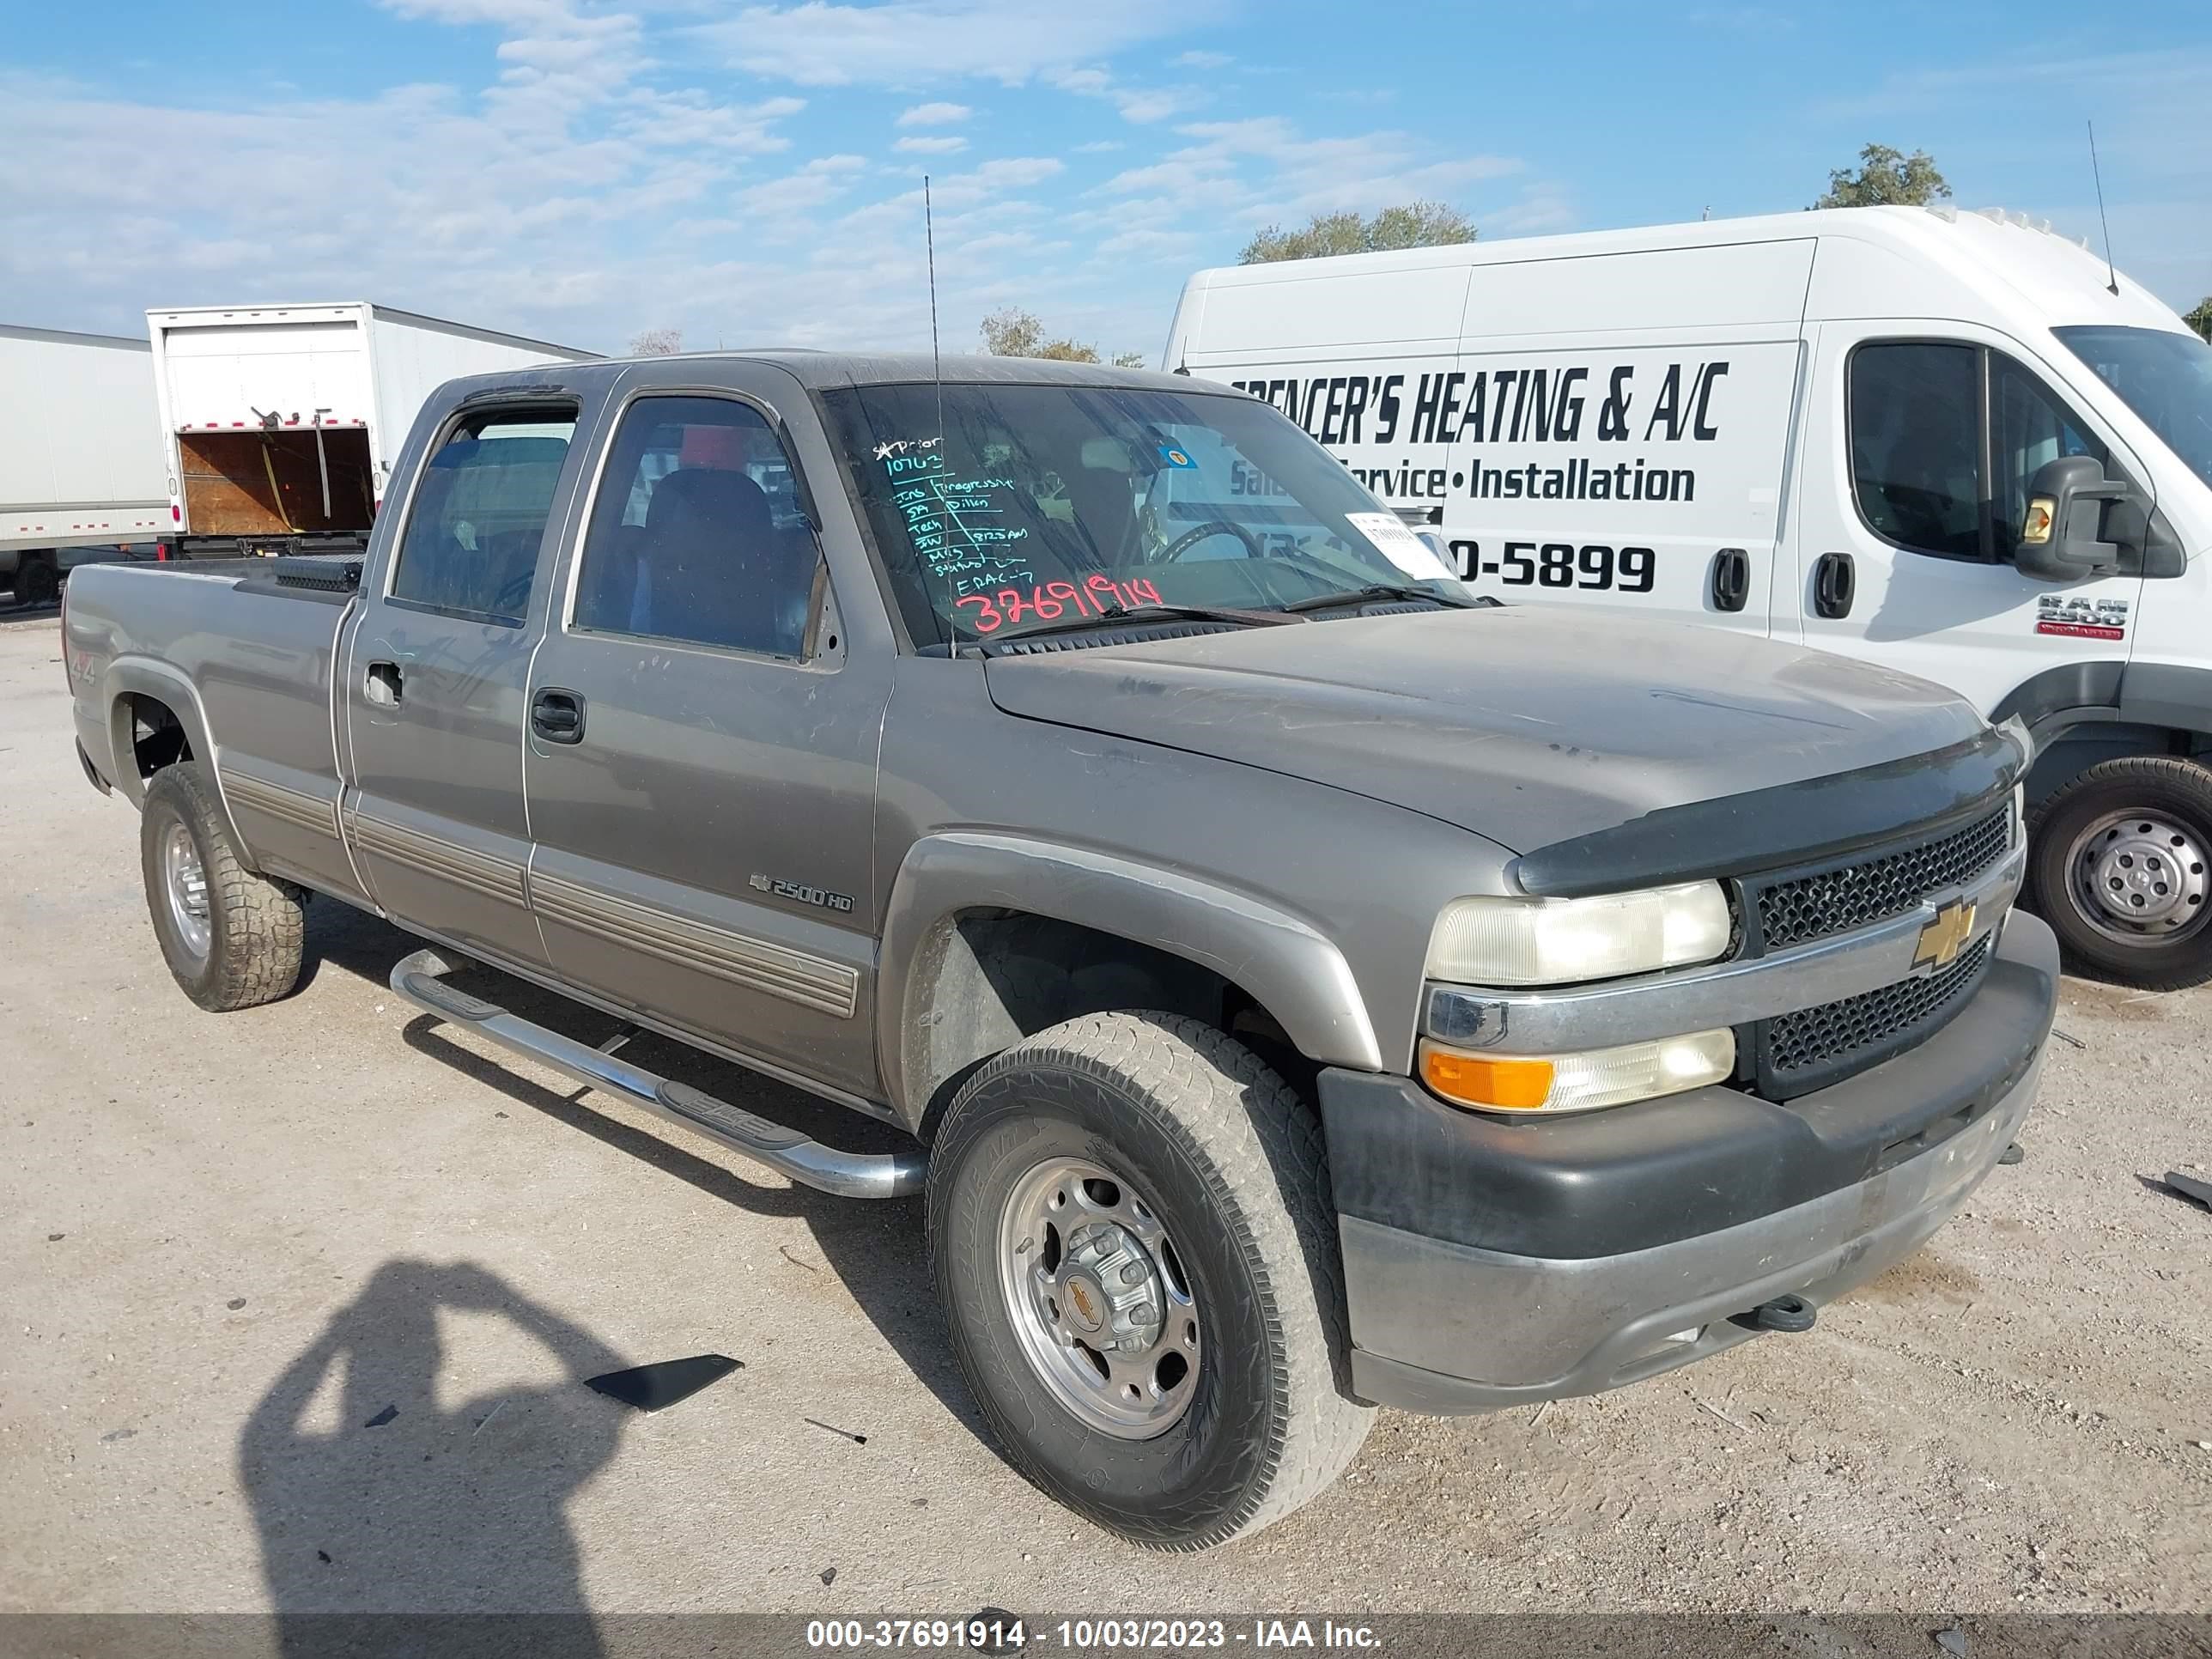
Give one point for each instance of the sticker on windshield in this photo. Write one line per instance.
(1396, 543)
(1175, 457)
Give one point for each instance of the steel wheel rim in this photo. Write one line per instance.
(2140, 878)
(1099, 1299)
(184, 881)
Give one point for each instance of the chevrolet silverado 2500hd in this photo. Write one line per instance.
(1306, 987)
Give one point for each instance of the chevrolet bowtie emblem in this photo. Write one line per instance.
(1942, 938)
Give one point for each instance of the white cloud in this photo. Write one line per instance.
(934, 115)
(1200, 60)
(1138, 104)
(930, 146)
(1098, 147)
(914, 43)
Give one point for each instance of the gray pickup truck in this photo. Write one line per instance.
(1302, 987)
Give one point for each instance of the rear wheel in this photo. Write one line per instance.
(1130, 1230)
(2121, 866)
(37, 581)
(232, 938)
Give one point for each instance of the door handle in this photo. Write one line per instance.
(1731, 583)
(382, 685)
(1835, 581)
(557, 716)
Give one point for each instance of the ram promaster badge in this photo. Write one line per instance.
(1304, 987)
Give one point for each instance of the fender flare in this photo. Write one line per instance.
(2067, 694)
(147, 676)
(1296, 972)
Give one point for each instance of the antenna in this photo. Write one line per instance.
(2112, 277)
(936, 361)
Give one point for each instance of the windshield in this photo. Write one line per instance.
(2165, 378)
(1036, 505)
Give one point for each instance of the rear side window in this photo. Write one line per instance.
(1916, 423)
(696, 534)
(478, 519)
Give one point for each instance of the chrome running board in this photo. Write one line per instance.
(418, 979)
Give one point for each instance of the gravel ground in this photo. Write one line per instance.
(227, 1242)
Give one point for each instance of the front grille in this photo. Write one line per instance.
(1877, 888)
(1802, 1052)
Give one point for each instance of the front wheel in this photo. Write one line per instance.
(1130, 1228)
(2120, 865)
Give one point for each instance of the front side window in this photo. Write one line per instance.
(1916, 427)
(998, 508)
(696, 534)
(2028, 426)
(478, 519)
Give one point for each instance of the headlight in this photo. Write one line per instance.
(1578, 1083)
(1508, 941)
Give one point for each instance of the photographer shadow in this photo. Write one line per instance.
(376, 1508)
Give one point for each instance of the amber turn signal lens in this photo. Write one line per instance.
(1502, 1084)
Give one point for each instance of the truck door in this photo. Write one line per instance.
(1920, 445)
(702, 746)
(1643, 480)
(436, 676)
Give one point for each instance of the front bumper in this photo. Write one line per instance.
(1491, 1263)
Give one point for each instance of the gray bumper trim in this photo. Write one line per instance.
(1446, 1328)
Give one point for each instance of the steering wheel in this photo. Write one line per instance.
(1197, 533)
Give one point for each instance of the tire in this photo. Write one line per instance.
(1196, 1137)
(250, 928)
(2120, 826)
(37, 582)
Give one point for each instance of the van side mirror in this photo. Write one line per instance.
(2059, 537)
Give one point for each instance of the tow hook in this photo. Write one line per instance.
(1784, 1313)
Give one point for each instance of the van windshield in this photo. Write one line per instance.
(1023, 506)
(2165, 378)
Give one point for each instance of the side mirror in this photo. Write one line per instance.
(2059, 537)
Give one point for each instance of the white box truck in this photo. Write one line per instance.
(281, 421)
(81, 471)
(1955, 444)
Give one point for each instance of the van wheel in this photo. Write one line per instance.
(232, 938)
(2120, 865)
(37, 582)
(1130, 1228)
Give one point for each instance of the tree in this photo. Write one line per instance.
(1410, 224)
(1010, 331)
(2201, 318)
(1886, 179)
(657, 343)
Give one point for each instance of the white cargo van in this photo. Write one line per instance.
(1955, 444)
(282, 423)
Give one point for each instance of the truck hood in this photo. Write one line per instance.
(1527, 726)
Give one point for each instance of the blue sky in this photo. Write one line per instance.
(750, 172)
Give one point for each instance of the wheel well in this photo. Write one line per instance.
(157, 737)
(987, 978)
(2075, 750)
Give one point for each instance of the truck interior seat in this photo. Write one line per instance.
(710, 563)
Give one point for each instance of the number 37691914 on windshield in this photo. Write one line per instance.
(1560, 564)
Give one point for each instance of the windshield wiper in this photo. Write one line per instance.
(1376, 591)
(1117, 616)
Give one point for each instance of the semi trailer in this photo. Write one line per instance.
(82, 472)
(280, 424)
